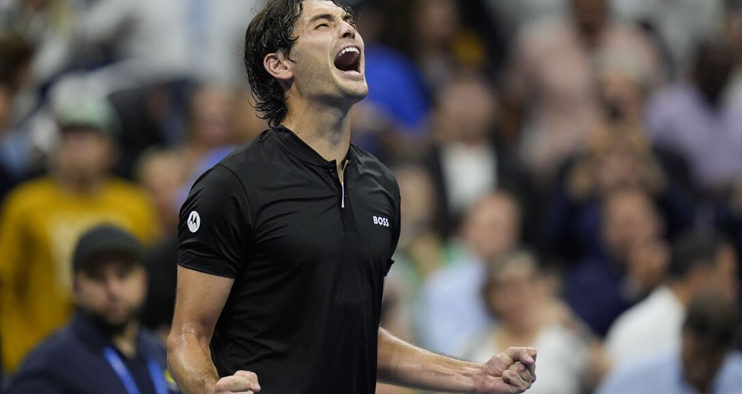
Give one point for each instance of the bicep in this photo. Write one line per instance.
(199, 301)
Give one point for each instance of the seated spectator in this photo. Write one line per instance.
(617, 156)
(552, 80)
(102, 349)
(452, 306)
(676, 25)
(42, 218)
(516, 294)
(628, 263)
(699, 264)
(704, 363)
(466, 163)
(692, 118)
(16, 55)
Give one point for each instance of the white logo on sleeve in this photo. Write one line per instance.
(381, 221)
(194, 221)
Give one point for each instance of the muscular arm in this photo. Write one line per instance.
(199, 301)
(404, 364)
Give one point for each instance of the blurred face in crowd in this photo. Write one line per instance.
(111, 290)
(492, 226)
(436, 23)
(83, 156)
(622, 96)
(629, 219)
(512, 290)
(162, 174)
(467, 110)
(719, 278)
(590, 17)
(713, 69)
(212, 117)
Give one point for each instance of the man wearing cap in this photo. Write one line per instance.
(103, 349)
(41, 219)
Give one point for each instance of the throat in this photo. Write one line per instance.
(126, 340)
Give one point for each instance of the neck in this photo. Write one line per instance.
(681, 292)
(126, 340)
(77, 184)
(326, 129)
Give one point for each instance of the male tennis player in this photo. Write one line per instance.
(284, 245)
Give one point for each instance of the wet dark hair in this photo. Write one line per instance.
(272, 31)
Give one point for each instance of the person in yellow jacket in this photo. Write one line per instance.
(42, 219)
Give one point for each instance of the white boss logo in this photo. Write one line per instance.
(194, 221)
(381, 221)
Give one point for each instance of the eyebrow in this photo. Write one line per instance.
(330, 17)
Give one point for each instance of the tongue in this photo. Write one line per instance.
(347, 61)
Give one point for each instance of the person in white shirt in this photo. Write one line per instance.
(699, 263)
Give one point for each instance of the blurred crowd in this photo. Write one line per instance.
(570, 170)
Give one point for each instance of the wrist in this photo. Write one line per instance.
(472, 378)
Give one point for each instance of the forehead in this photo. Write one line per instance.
(315, 8)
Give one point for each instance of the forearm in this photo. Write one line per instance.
(189, 360)
(403, 364)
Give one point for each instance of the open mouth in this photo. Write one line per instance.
(349, 59)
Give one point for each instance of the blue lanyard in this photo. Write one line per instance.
(155, 373)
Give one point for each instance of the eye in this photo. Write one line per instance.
(321, 25)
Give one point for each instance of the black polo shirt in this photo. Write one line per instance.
(308, 256)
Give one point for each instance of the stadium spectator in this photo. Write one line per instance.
(700, 264)
(42, 218)
(692, 118)
(465, 161)
(16, 55)
(617, 156)
(630, 262)
(704, 363)
(557, 93)
(676, 25)
(102, 349)
(519, 298)
(452, 306)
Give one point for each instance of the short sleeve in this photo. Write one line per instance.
(215, 226)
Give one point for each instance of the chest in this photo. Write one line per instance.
(312, 219)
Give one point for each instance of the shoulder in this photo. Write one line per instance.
(49, 356)
(31, 193)
(126, 190)
(369, 165)
(245, 157)
(642, 375)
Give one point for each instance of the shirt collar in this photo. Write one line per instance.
(298, 148)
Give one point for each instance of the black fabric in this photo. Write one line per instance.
(161, 261)
(308, 265)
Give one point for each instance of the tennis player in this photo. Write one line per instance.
(284, 245)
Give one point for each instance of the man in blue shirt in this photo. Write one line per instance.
(103, 349)
(704, 364)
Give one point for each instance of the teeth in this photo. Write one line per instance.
(348, 50)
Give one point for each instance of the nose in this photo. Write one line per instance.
(114, 286)
(347, 30)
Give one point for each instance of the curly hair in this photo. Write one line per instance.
(271, 31)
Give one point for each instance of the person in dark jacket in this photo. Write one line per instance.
(103, 349)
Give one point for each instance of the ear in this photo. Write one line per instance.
(279, 67)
